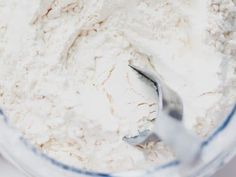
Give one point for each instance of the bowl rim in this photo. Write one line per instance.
(174, 163)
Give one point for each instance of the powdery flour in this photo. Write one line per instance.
(66, 84)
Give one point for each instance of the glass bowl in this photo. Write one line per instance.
(217, 150)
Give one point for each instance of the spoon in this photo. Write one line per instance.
(169, 127)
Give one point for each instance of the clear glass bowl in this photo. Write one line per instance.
(217, 150)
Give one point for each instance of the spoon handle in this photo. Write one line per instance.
(185, 144)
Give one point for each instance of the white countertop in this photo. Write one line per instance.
(8, 170)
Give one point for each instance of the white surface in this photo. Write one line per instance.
(7, 170)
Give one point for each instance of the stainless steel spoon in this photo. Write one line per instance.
(169, 127)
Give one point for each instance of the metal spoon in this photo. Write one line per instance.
(169, 127)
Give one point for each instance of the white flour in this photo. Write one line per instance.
(65, 81)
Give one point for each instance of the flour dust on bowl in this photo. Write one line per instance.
(68, 95)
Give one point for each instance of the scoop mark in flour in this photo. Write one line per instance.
(70, 7)
(72, 41)
(109, 75)
(43, 11)
(109, 97)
